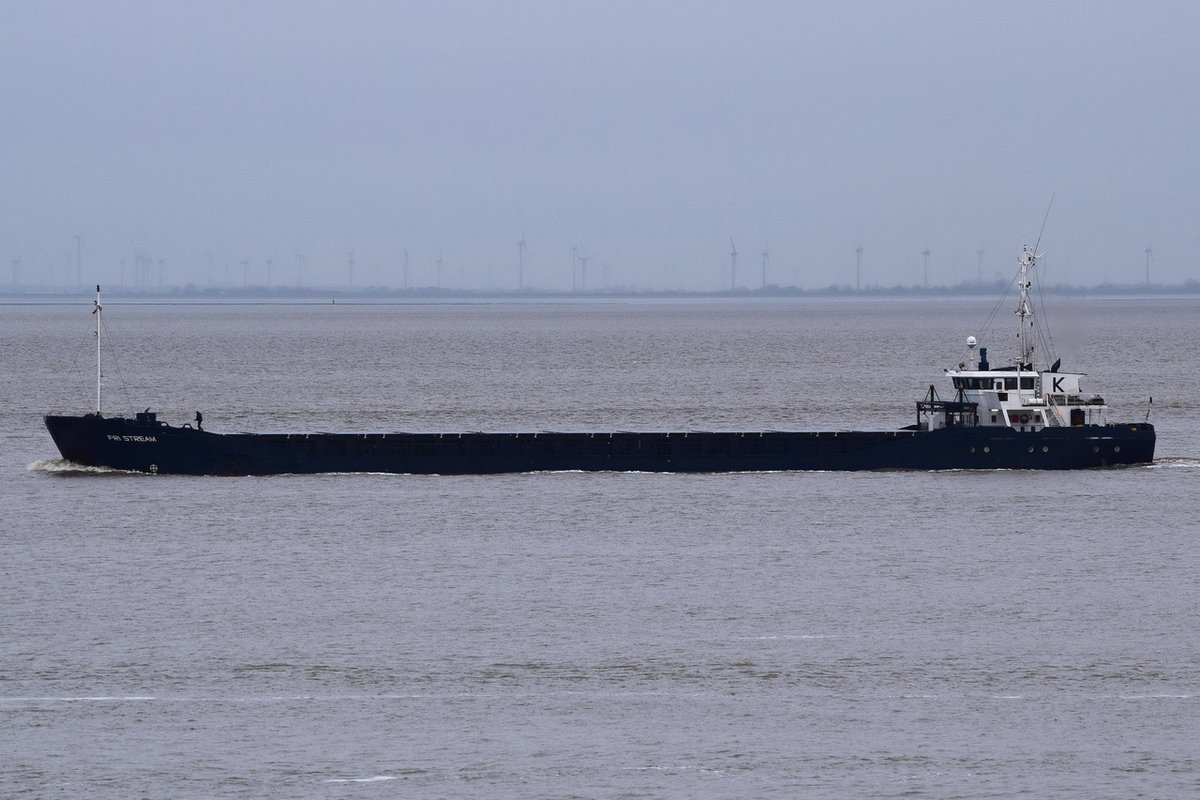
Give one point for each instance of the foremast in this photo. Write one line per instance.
(97, 310)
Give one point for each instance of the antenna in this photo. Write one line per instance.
(732, 265)
(1042, 230)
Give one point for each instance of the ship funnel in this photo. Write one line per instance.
(983, 361)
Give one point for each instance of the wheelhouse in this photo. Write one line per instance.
(1019, 395)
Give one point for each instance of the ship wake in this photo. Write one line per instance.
(60, 466)
(1174, 463)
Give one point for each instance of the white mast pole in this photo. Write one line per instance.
(97, 311)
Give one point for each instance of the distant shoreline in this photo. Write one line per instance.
(376, 294)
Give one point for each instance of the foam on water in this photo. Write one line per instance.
(1172, 463)
(59, 466)
(81, 699)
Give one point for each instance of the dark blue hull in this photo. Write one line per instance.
(146, 445)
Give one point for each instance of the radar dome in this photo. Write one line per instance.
(971, 342)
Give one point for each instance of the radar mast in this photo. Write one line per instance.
(1027, 262)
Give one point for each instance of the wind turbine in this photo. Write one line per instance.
(521, 250)
(406, 269)
(583, 271)
(1148, 252)
(764, 269)
(858, 269)
(926, 254)
(732, 265)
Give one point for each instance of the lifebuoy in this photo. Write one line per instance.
(1024, 419)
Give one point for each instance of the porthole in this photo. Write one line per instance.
(972, 448)
(987, 449)
(1030, 449)
(1117, 448)
(1095, 449)
(1045, 449)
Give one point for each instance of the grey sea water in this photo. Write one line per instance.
(862, 635)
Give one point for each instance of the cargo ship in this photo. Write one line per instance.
(1016, 416)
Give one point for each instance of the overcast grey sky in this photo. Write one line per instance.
(644, 134)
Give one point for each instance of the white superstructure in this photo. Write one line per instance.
(1020, 395)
